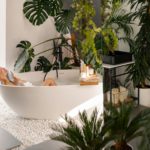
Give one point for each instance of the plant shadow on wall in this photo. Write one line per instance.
(140, 70)
(115, 132)
(79, 17)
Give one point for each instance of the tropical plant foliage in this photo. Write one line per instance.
(43, 64)
(25, 58)
(115, 20)
(145, 143)
(120, 126)
(124, 125)
(38, 11)
(63, 20)
(88, 134)
(83, 23)
(80, 17)
(140, 69)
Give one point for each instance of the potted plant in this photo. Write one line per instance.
(87, 133)
(125, 126)
(24, 60)
(112, 131)
(86, 30)
(115, 20)
(66, 19)
(37, 12)
(140, 70)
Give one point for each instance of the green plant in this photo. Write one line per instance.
(83, 23)
(125, 126)
(43, 64)
(115, 20)
(145, 142)
(139, 71)
(38, 11)
(24, 60)
(88, 134)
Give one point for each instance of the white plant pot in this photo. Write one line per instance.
(144, 97)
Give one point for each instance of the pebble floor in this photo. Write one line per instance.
(29, 132)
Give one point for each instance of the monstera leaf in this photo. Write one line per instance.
(37, 11)
(63, 20)
(27, 66)
(43, 64)
(25, 58)
(65, 64)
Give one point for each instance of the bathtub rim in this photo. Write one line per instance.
(42, 86)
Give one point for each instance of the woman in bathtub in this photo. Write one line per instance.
(8, 78)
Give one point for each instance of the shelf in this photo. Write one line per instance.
(108, 66)
(127, 101)
(112, 75)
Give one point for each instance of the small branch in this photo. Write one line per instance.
(44, 51)
(45, 75)
(59, 38)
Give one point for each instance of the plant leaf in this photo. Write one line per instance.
(63, 20)
(37, 11)
(24, 60)
(43, 64)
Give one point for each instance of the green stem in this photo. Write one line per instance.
(44, 51)
(46, 41)
(45, 76)
(65, 46)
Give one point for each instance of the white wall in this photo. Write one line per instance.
(18, 28)
(123, 46)
(2, 32)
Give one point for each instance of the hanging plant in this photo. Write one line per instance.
(83, 23)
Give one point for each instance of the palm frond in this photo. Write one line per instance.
(120, 20)
(124, 127)
(84, 135)
(145, 143)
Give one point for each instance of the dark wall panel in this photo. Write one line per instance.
(67, 4)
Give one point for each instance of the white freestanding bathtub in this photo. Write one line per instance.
(40, 102)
